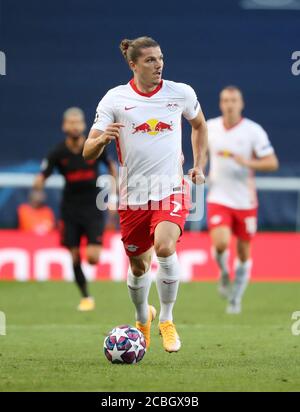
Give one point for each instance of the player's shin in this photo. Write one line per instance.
(224, 280)
(222, 261)
(242, 276)
(167, 282)
(80, 279)
(138, 288)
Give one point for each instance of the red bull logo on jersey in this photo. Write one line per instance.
(152, 127)
(225, 153)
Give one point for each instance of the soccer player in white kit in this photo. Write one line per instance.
(237, 148)
(144, 118)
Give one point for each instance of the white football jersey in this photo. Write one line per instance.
(231, 184)
(149, 147)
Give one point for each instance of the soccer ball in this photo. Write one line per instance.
(124, 344)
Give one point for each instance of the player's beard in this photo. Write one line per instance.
(157, 80)
(150, 79)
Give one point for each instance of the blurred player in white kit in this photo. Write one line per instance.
(237, 148)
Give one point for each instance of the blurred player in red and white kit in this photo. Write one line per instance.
(237, 148)
(144, 118)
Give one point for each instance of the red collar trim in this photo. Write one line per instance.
(157, 89)
(233, 126)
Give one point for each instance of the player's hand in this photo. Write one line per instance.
(242, 161)
(196, 175)
(112, 132)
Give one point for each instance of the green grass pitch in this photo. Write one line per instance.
(49, 346)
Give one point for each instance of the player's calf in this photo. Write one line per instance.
(242, 276)
(221, 258)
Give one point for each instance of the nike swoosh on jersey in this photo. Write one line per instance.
(129, 108)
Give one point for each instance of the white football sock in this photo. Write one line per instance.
(138, 288)
(167, 282)
(242, 276)
(222, 261)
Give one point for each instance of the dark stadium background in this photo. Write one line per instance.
(65, 53)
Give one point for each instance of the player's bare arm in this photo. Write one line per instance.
(98, 139)
(268, 163)
(199, 145)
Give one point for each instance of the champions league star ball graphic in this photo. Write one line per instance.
(124, 344)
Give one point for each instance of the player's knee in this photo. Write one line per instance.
(221, 246)
(137, 271)
(92, 254)
(243, 251)
(139, 268)
(93, 259)
(243, 255)
(164, 249)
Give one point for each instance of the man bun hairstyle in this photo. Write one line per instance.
(131, 49)
(124, 45)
